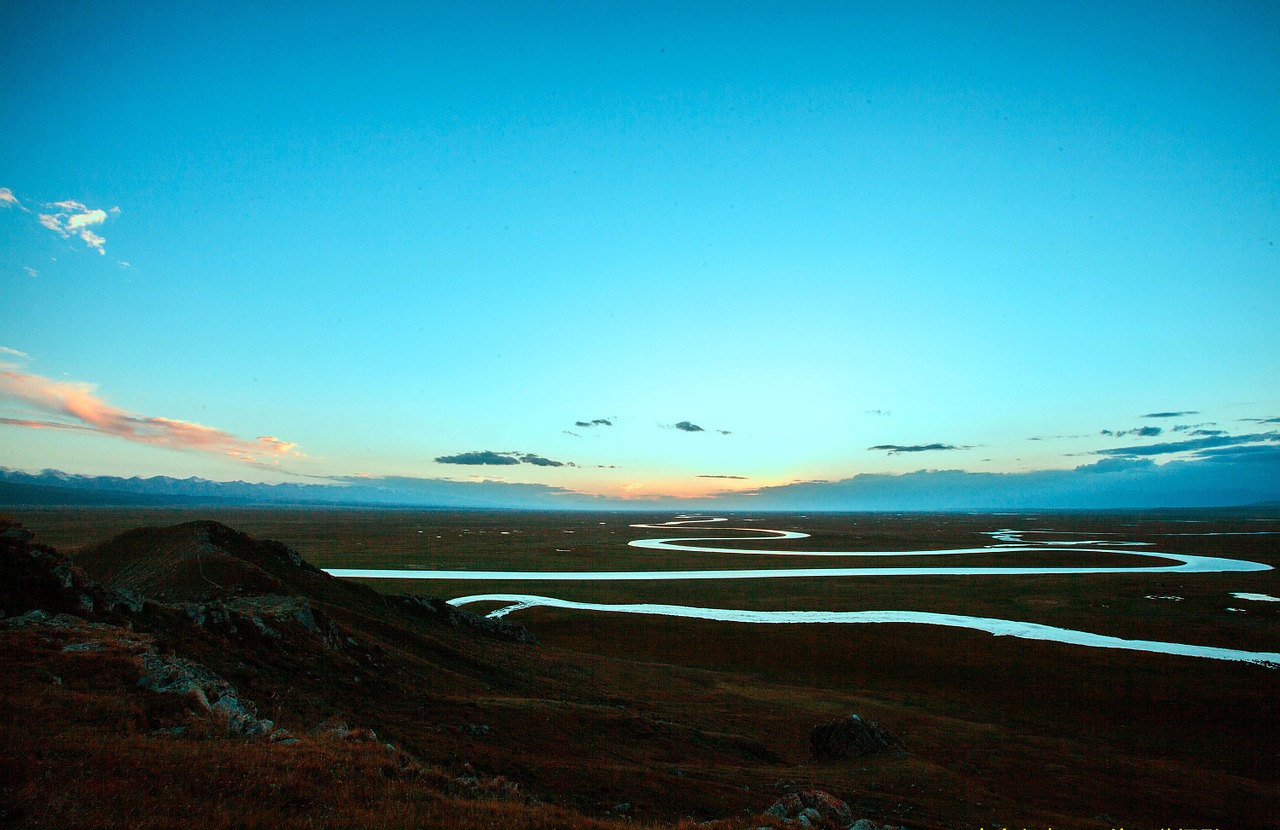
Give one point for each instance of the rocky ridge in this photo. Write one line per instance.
(44, 590)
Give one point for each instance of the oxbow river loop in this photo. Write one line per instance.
(1004, 541)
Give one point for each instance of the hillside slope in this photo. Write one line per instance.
(191, 674)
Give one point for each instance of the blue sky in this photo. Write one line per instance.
(386, 235)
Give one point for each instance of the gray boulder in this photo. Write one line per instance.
(93, 645)
(36, 617)
(241, 716)
(339, 728)
(810, 808)
(123, 600)
(174, 675)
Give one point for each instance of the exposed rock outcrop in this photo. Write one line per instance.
(33, 576)
(438, 609)
(160, 673)
(268, 614)
(167, 674)
(337, 727)
(811, 808)
(805, 809)
(850, 737)
(868, 824)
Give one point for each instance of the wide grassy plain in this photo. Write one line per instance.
(997, 731)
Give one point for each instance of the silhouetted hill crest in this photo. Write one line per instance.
(195, 561)
(201, 562)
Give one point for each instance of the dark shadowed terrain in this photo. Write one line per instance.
(405, 712)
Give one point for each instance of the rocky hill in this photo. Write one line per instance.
(194, 675)
(195, 561)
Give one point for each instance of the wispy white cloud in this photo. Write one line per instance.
(31, 272)
(93, 240)
(14, 352)
(55, 404)
(77, 219)
(89, 217)
(9, 200)
(68, 218)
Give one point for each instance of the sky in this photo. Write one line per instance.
(657, 250)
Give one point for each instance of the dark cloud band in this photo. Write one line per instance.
(490, 458)
(897, 448)
(1140, 432)
(1197, 445)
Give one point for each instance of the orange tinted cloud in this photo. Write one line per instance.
(71, 405)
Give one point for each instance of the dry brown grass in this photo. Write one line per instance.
(85, 747)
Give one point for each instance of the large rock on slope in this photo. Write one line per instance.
(850, 737)
(811, 808)
(174, 675)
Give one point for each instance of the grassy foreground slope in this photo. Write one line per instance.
(259, 691)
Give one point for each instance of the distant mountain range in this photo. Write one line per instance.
(1111, 484)
(57, 487)
(54, 487)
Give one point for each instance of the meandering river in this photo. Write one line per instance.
(1005, 541)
